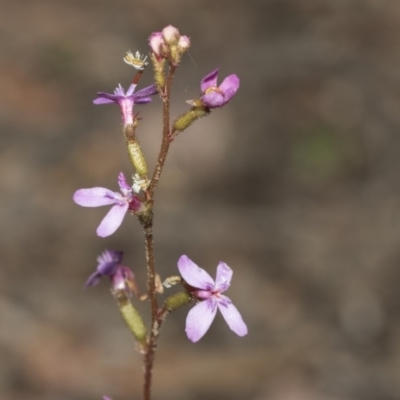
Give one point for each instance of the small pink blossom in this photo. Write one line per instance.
(214, 96)
(209, 292)
(127, 100)
(121, 277)
(121, 202)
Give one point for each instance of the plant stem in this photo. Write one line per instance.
(149, 241)
(166, 133)
(151, 276)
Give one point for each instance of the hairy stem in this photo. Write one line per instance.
(151, 276)
(149, 241)
(166, 133)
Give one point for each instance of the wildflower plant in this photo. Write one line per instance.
(198, 288)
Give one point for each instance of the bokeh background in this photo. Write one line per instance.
(295, 185)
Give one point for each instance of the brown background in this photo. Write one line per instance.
(295, 185)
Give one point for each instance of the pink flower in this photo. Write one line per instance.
(214, 96)
(122, 202)
(127, 100)
(121, 277)
(211, 298)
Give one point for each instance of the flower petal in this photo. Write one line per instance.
(209, 80)
(107, 268)
(110, 256)
(143, 100)
(213, 99)
(230, 86)
(200, 318)
(110, 98)
(94, 197)
(112, 220)
(223, 278)
(123, 184)
(232, 316)
(131, 89)
(119, 91)
(145, 92)
(194, 275)
(93, 279)
(102, 100)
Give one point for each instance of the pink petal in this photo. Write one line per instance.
(209, 80)
(194, 275)
(200, 318)
(213, 99)
(102, 100)
(94, 197)
(119, 91)
(131, 89)
(223, 278)
(230, 85)
(232, 316)
(112, 220)
(145, 92)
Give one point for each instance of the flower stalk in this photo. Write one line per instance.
(166, 50)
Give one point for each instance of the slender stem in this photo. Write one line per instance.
(166, 133)
(149, 242)
(151, 276)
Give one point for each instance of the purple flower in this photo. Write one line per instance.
(126, 100)
(214, 96)
(209, 292)
(122, 202)
(106, 398)
(109, 264)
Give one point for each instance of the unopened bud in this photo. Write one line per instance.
(171, 35)
(184, 43)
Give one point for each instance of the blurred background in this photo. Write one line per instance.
(295, 185)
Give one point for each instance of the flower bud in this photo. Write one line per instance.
(171, 35)
(156, 42)
(184, 44)
(169, 44)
